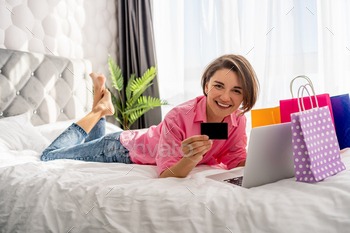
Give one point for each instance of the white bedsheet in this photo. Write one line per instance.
(77, 196)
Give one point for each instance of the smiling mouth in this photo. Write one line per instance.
(222, 105)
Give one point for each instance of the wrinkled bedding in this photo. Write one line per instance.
(77, 196)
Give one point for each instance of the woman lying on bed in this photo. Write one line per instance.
(175, 145)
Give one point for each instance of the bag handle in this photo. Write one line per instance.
(302, 94)
(300, 98)
(304, 77)
(313, 91)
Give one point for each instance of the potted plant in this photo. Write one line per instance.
(135, 104)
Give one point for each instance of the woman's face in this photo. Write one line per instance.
(224, 87)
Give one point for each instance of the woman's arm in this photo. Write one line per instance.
(181, 169)
(184, 167)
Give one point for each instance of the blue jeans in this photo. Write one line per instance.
(97, 146)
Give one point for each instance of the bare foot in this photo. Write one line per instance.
(105, 105)
(98, 81)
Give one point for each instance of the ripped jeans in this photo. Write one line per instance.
(97, 146)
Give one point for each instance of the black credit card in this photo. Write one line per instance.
(214, 130)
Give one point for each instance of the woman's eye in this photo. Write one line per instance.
(218, 86)
(237, 91)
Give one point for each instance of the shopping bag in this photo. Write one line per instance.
(290, 106)
(341, 113)
(315, 146)
(266, 116)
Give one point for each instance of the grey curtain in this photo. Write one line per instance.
(136, 50)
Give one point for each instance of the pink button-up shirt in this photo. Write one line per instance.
(161, 145)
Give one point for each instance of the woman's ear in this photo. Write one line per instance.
(206, 87)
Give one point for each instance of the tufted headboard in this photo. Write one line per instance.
(51, 88)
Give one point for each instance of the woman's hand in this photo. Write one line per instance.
(196, 146)
(193, 148)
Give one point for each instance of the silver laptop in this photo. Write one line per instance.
(269, 158)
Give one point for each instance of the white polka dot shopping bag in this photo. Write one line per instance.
(315, 145)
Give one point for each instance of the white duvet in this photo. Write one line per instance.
(76, 196)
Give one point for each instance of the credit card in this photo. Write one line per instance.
(214, 130)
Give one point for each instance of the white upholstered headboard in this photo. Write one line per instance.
(51, 88)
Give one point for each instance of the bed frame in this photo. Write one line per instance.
(51, 88)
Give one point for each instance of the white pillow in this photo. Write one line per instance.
(52, 130)
(112, 128)
(18, 133)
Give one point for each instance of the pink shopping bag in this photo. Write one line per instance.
(290, 106)
(315, 145)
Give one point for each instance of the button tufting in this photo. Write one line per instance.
(83, 76)
(17, 93)
(1, 113)
(47, 93)
(61, 110)
(73, 92)
(60, 75)
(32, 73)
(84, 109)
(0, 71)
(34, 112)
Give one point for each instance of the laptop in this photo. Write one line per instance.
(269, 158)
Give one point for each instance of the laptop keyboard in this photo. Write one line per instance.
(236, 181)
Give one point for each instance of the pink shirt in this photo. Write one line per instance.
(161, 145)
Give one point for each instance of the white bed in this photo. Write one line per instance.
(76, 196)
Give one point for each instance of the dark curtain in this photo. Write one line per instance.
(136, 50)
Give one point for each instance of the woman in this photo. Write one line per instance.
(175, 145)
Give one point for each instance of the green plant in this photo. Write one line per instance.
(135, 104)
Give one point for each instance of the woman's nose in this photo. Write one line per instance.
(225, 97)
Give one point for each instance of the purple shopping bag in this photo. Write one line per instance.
(315, 145)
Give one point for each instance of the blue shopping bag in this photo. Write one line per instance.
(341, 114)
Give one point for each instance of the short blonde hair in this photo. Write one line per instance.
(246, 74)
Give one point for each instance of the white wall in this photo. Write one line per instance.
(69, 28)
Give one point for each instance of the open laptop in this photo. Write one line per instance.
(269, 158)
